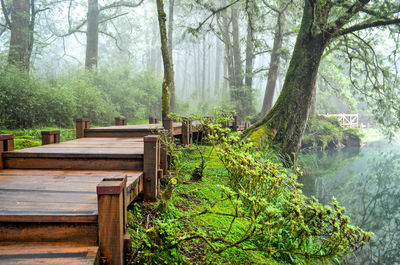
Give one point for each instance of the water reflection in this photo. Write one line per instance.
(367, 183)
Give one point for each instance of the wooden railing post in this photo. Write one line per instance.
(150, 167)
(120, 121)
(81, 125)
(6, 144)
(111, 219)
(50, 137)
(187, 132)
(235, 123)
(168, 124)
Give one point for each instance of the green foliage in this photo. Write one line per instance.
(33, 137)
(326, 133)
(26, 102)
(322, 132)
(249, 206)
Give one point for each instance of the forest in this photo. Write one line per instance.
(294, 106)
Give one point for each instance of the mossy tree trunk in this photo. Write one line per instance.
(167, 82)
(170, 50)
(92, 34)
(285, 122)
(20, 47)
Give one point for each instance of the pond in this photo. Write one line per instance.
(366, 182)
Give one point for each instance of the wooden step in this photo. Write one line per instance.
(80, 154)
(38, 253)
(55, 205)
(130, 131)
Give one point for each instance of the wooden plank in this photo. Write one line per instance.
(82, 233)
(74, 163)
(49, 153)
(39, 253)
(49, 218)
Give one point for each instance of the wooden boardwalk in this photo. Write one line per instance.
(66, 203)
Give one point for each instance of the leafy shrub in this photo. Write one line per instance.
(261, 209)
(27, 102)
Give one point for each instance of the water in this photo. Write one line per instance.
(367, 183)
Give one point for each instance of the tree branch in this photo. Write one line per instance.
(367, 26)
(214, 12)
(111, 18)
(351, 11)
(5, 12)
(120, 4)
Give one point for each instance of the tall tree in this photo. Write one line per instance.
(18, 53)
(170, 50)
(217, 75)
(92, 34)
(275, 57)
(96, 16)
(22, 26)
(167, 82)
(323, 21)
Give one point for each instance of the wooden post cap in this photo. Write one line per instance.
(6, 137)
(50, 132)
(111, 186)
(81, 119)
(151, 138)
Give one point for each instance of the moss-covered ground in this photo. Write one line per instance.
(192, 197)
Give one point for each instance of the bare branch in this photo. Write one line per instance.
(121, 4)
(213, 13)
(5, 12)
(110, 18)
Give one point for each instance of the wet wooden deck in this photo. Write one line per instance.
(66, 203)
(52, 194)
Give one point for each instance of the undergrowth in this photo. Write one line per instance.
(247, 209)
(33, 137)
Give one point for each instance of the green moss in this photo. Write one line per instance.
(261, 136)
(26, 142)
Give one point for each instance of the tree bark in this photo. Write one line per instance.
(249, 56)
(19, 51)
(203, 72)
(167, 83)
(284, 124)
(92, 34)
(247, 91)
(273, 65)
(170, 50)
(237, 69)
(217, 67)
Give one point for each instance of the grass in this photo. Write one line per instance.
(194, 197)
(33, 137)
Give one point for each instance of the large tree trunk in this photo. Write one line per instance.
(273, 66)
(217, 77)
(203, 70)
(19, 52)
(92, 34)
(284, 124)
(170, 49)
(248, 82)
(237, 60)
(247, 91)
(167, 83)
